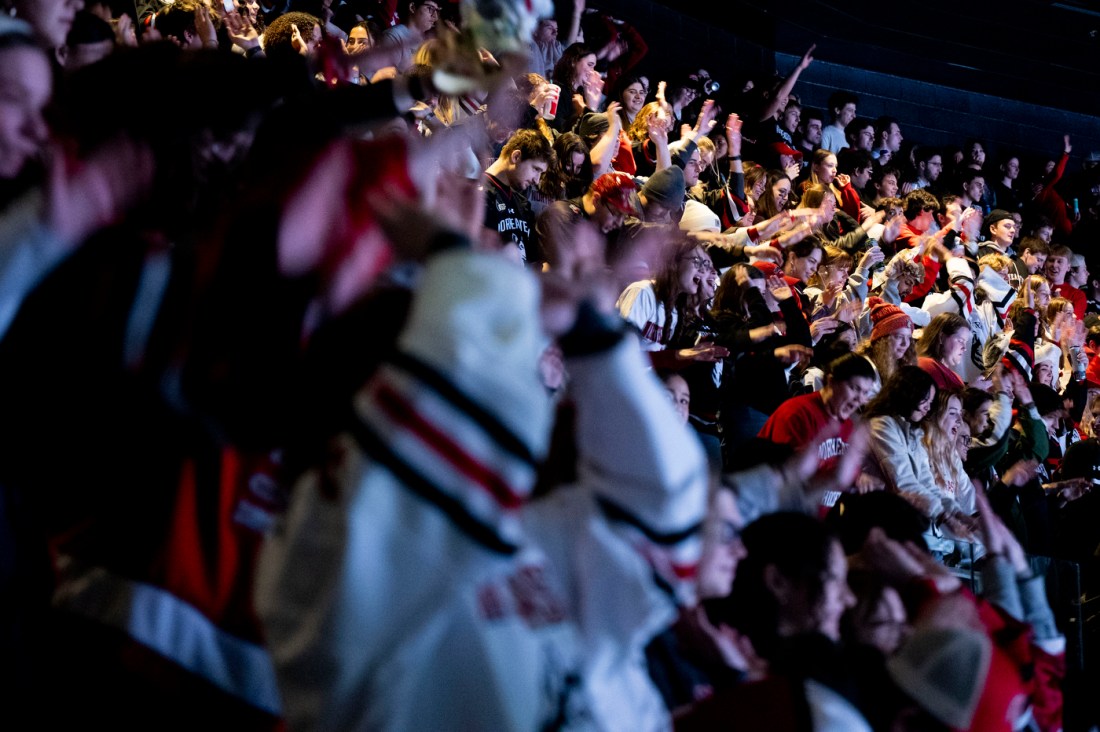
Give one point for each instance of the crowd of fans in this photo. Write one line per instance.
(430, 365)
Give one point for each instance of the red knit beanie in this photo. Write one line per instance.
(887, 318)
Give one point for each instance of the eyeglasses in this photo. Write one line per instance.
(432, 9)
(700, 263)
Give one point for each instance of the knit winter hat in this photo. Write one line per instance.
(617, 191)
(592, 125)
(944, 670)
(697, 217)
(1021, 357)
(666, 187)
(887, 318)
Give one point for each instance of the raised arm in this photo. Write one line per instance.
(605, 148)
(785, 88)
(574, 23)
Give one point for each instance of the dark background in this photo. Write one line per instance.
(1016, 75)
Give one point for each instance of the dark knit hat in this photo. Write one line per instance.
(666, 187)
(617, 191)
(1021, 357)
(945, 671)
(995, 216)
(887, 318)
(592, 125)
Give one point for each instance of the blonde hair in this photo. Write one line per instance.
(942, 456)
(998, 262)
(427, 53)
(706, 146)
(814, 193)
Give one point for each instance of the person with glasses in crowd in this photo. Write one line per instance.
(420, 18)
(659, 308)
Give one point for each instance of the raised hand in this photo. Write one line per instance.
(823, 327)
(660, 97)
(779, 288)
(614, 121)
(297, 41)
(593, 88)
(733, 134)
(870, 258)
(705, 123)
(204, 27)
(657, 128)
(807, 58)
(829, 292)
(241, 32)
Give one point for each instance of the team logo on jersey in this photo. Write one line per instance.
(501, 206)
